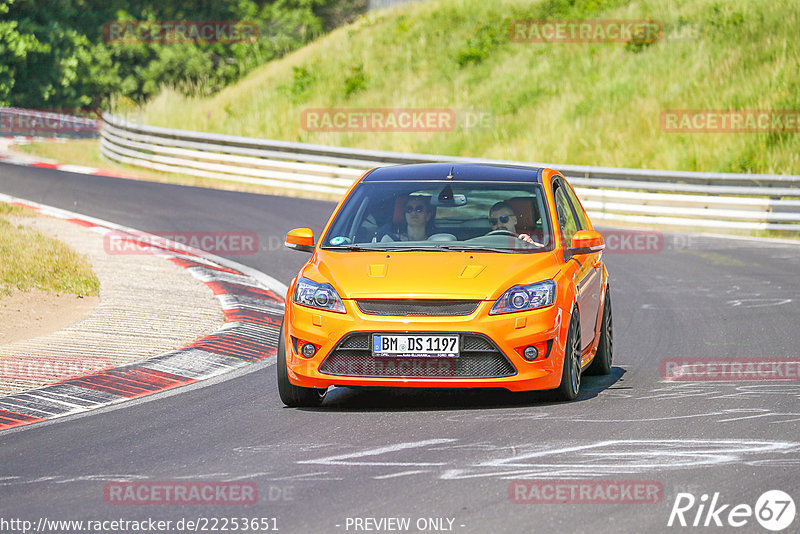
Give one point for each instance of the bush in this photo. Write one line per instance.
(58, 48)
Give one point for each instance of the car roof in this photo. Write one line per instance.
(457, 172)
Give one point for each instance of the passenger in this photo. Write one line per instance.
(417, 225)
(501, 217)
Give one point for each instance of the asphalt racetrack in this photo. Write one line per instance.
(444, 461)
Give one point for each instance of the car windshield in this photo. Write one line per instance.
(470, 216)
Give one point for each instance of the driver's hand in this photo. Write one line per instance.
(526, 238)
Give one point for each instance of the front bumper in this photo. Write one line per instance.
(508, 333)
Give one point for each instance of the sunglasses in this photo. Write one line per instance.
(412, 209)
(503, 219)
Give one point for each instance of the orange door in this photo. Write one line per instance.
(588, 287)
(587, 276)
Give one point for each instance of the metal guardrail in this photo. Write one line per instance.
(383, 4)
(697, 199)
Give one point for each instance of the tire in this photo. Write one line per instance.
(571, 370)
(601, 365)
(291, 395)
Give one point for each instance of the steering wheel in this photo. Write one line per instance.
(502, 232)
(442, 237)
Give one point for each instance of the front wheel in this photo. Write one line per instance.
(571, 371)
(601, 365)
(291, 395)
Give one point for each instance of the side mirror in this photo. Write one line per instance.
(586, 242)
(300, 239)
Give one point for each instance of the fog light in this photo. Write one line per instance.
(530, 353)
(308, 350)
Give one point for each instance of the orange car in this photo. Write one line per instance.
(448, 276)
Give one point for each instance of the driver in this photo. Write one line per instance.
(501, 217)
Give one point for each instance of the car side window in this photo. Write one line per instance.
(566, 218)
(582, 225)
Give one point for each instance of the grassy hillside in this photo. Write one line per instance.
(572, 103)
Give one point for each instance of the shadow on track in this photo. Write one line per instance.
(369, 399)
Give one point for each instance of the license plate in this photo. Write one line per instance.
(424, 346)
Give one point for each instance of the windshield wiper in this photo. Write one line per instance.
(478, 248)
(355, 248)
(411, 249)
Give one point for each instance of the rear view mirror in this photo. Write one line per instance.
(446, 197)
(300, 239)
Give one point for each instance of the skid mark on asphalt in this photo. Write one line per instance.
(440, 458)
(719, 390)
(719, 416)
(728, 290)
(541, 460)
(402, 474)
(353, 458)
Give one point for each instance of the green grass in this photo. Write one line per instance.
(15, 210)
(576, 103)
(31, 260)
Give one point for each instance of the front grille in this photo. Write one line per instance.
(360, 342)
(417, 307)
(476, 343)
(480, 358)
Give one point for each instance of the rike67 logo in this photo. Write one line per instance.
(774, 510)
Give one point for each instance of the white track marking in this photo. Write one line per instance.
(401, 474)
(342, 459)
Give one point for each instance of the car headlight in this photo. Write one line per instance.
(316, 295)
(527, 297)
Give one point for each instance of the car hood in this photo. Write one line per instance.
(435, 274)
